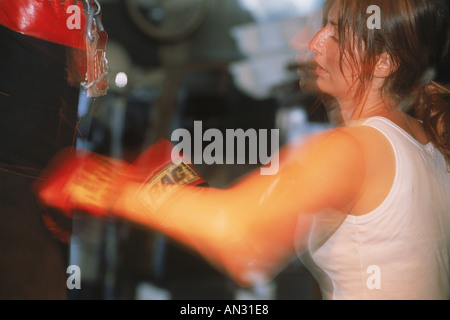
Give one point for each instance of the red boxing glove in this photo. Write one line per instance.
(90, 182)
(156, 167)
(81, 180)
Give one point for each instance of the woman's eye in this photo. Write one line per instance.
(334, 31)
(334, 38)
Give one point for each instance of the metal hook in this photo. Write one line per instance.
(99, 8)
(93, 16)
(93, 3)
(90, 23)
(99, 23)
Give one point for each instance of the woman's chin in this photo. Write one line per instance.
(324, 88)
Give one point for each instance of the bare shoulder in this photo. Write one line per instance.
(330, 142)
(328, 152)
(344, 143)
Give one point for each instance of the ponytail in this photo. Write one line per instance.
(433, 109)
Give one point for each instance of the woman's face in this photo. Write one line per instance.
(331, 79)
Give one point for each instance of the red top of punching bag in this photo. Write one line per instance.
(52, 20)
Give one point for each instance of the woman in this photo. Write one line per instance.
(367, 206)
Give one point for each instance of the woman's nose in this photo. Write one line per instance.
(317, 44)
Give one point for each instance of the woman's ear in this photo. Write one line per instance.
(385, 66)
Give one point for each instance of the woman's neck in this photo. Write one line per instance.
(371, 106)
(381, 107)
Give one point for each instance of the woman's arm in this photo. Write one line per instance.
(249, 230)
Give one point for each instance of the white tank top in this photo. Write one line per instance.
(401, 250)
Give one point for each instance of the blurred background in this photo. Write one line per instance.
(227, 63)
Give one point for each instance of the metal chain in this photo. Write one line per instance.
(95, 16)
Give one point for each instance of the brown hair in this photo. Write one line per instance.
(416, 35)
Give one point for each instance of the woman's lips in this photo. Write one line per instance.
(320, 70)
